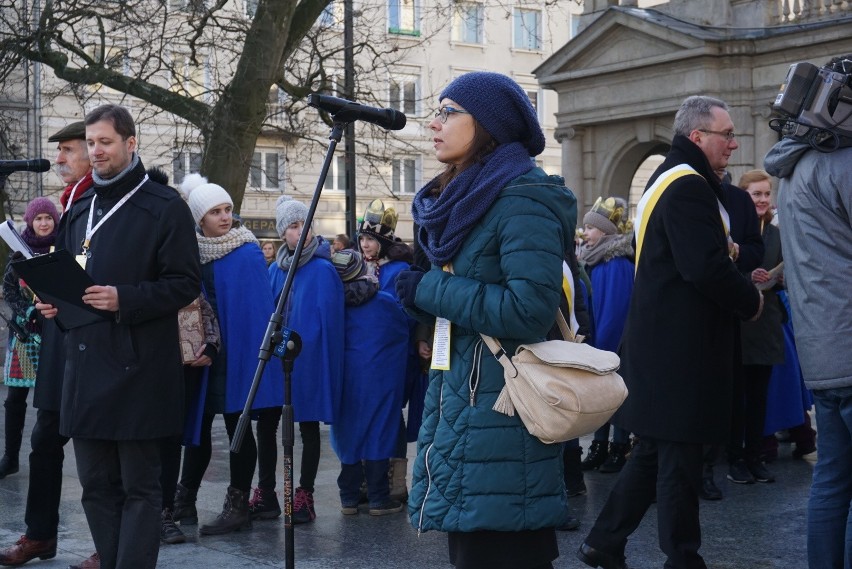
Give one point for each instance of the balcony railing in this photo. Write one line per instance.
(798, 11)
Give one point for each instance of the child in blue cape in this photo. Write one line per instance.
(607, 256)
(234, 283)
(314, 310)
(366, 430)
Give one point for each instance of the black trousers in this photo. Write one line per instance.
(45, 490)
(671, 471)
(267, 447)
(197, 459)
(122, 499)
(749, 413)
(16, 413)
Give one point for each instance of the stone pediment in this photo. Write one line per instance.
(615, 41)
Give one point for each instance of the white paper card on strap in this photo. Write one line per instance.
(441, 345)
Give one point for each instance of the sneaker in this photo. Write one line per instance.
(760, 472)
(739, 473)
(389, 507)
(570, 525)
(264, 505)
(349, 510)
(803, 449)
(169, 532)
(303, 506)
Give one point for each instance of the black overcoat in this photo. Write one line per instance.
(124, 377)
(678, 346)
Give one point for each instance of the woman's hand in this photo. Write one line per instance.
(201, 360)
(760, 276)
(424, 349)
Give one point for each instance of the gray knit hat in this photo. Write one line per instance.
(202, 196)
(499, 104)
(608, 216)
(287, 211)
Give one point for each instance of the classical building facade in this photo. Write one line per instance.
(431, 42)
(621, 79)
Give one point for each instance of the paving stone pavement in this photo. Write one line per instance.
(758, 526)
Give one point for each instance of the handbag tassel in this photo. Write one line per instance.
(504, 403)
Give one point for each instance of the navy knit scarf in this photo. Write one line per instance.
(445, 221)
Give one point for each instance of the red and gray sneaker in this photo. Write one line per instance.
(303, 506)
(264, 505)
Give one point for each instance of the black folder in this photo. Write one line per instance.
(57, 279)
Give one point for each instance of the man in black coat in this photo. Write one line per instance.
(678, 347)
(45, 482)
(123, 387)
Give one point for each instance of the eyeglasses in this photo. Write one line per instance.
(728, 135)
(445, 112)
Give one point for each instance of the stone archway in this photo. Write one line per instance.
(623, 77)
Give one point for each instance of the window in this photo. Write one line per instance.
(336, 179)
(527, 29)
(332, 15)
(405, 175)
(188, 5)
(263, 172)
(467, 22)
(404, 94)
(404, 17)
(188, 78)
(534, 95)
(184, 162)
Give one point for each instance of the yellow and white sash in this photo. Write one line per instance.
(652, 196)
(568, 287)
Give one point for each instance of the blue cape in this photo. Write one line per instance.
(612, 285)
(243, 304)
(367, 426)
(315, 311)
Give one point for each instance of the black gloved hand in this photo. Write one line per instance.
(406, 285)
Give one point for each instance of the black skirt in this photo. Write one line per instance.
(502, 549)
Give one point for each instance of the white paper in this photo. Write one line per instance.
(441, 345)
(13, 239)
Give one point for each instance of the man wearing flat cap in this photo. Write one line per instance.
(44, 493)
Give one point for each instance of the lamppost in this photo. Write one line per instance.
(349, 133)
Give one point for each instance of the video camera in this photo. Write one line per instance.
(816, 104)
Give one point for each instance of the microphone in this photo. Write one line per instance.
(37, 165)
(343, 110)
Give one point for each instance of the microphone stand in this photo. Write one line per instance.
(286, 344)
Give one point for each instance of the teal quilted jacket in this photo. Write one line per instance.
(477, 469)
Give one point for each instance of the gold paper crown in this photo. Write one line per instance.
(379, 220)
(614, 209)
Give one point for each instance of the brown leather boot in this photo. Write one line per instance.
(234, 517)
(26, 549)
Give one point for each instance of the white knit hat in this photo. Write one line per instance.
(287, 211)
(203, 196)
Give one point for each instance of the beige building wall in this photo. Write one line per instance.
(434, 51)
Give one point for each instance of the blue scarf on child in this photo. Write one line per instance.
(445, 221)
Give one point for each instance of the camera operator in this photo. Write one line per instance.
(815, 202)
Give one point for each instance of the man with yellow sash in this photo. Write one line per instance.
(678, 347)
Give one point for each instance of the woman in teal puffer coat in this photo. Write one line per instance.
(502, 226)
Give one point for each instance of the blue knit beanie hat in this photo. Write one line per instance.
(500, 105)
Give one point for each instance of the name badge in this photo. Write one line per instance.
(81, 260)
(441, 345)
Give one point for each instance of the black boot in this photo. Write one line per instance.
(169, 532)
(596, 456)
(16, 412)
(617, 458)
(8, 466)
(234, 517)
(185, 511)
(574, 483)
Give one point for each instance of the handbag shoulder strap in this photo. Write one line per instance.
(500, 354)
